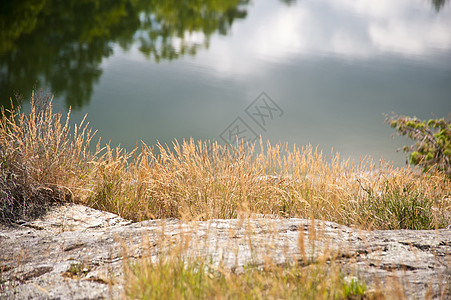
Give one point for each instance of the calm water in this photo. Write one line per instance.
(162, 70)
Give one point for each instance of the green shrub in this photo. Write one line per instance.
(432, 148)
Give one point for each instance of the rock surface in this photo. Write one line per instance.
(76, 252)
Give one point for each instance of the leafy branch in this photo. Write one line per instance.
(432, 148)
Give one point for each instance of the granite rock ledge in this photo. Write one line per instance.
(76, 252)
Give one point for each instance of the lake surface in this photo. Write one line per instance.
(299, 72)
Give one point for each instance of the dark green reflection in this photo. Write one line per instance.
(438, 4)
(60, 44)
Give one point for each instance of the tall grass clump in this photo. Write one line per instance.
(41, 162)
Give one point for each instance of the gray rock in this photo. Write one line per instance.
(76, 252)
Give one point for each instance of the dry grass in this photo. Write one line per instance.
(205, 181)
(178, 267)
(41, 162)
(178, 278)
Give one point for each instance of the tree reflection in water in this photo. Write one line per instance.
(438, 4)
(61, 44)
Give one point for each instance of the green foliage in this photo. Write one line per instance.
(432, 148)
